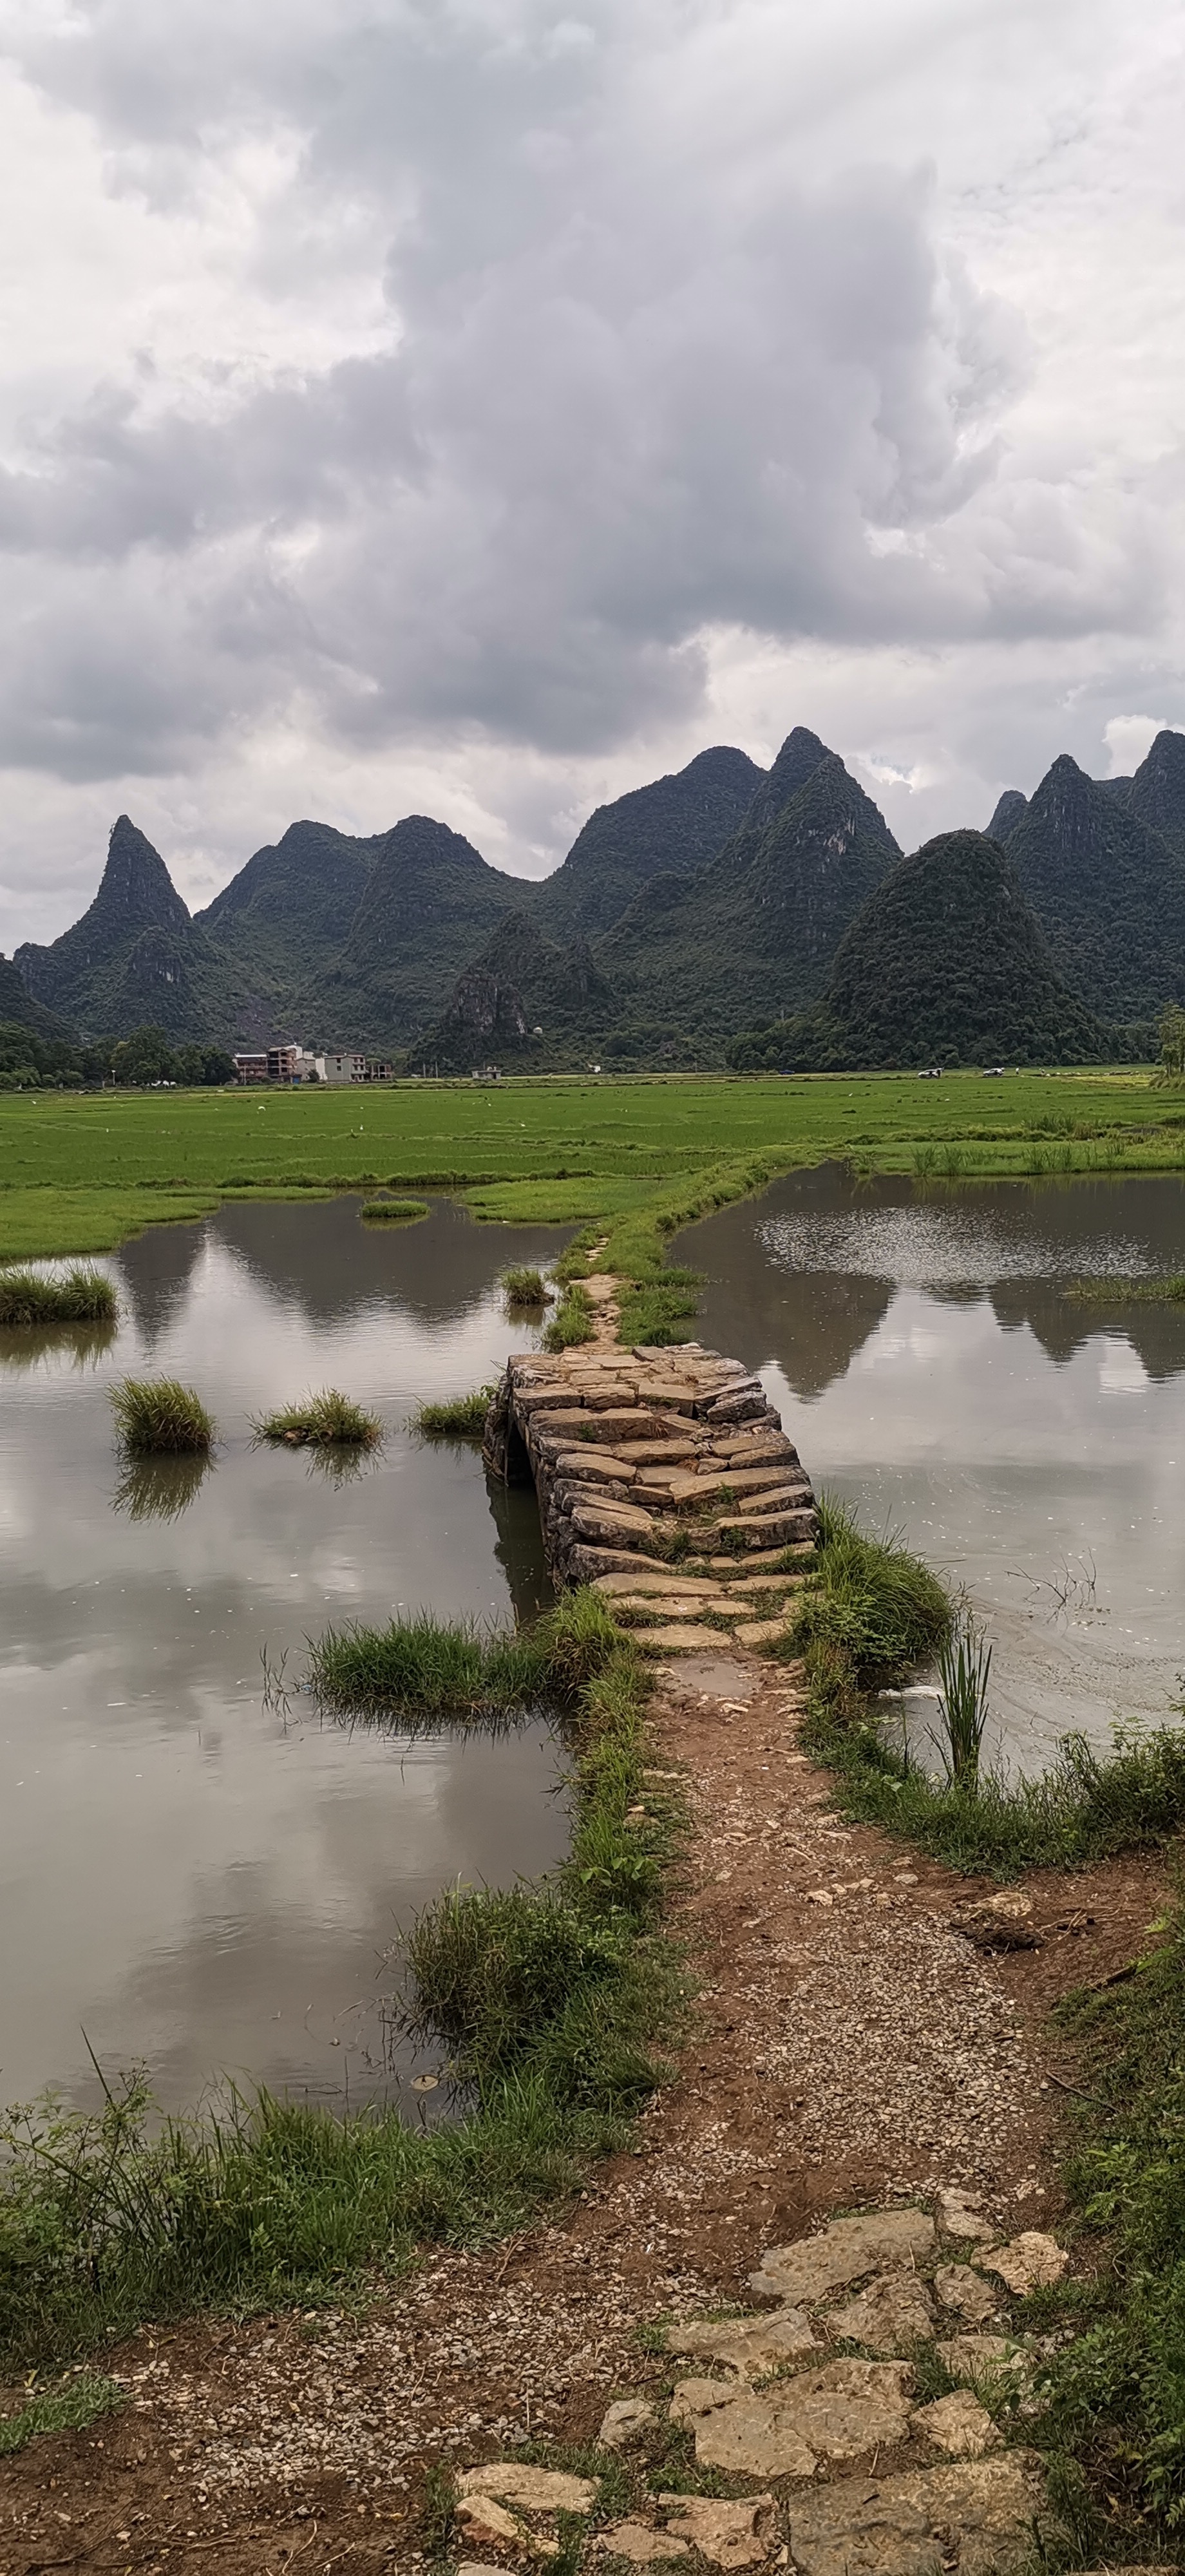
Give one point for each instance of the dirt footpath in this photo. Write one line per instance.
(849, 2047)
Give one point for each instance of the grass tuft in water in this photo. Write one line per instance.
(80, 2401)
(574, 1320)
(321, 1421)
(525, 1286)
(428, 1670)
(159, 1415)
(394, 1211)
(82, 1297)
(462, 1417)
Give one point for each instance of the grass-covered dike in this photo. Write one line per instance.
(551, 2000)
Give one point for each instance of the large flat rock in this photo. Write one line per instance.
(843, 2251)
(840, 2412)
(753, 2346)
(975, 2519)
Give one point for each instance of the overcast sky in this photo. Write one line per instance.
(478, 406)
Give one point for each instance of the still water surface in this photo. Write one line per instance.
(189, 1876)
(932, 1369)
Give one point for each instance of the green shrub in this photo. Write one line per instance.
(462, 1417)
(82, 1297)
(321, 1421)
(159, 1414)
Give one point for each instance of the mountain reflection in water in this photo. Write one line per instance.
(934, 1371)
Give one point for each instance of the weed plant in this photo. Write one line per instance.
(574, 1319)
(82, 1297)
(461, 1417)
(394, 1211)
(160, 1416)
(322, 1421)
(554, 1997)
(964, 1670)
(525, 1286)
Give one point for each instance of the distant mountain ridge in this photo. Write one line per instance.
(716, 899)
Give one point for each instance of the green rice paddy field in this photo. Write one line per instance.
(634, 1158)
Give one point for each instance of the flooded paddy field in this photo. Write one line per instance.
(197, 1872)
(936, 1374)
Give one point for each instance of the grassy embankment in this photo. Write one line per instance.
(626, 1162)
(549, 1999)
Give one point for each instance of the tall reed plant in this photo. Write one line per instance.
(964, 1670)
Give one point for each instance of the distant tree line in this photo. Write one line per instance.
(32, 1063)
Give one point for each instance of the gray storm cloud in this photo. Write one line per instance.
(532, 351)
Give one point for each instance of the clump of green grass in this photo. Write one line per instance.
(553, 1999)
(82, 1297)
(80, 2401)
(461, 1417)
(524, 1286)
(658, 1312)
(321, 1421)
(871, 1598)
(160, 1415)
(427, 1670)
(394, 1211)
(574, 1319)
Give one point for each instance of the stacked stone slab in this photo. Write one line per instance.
(641, 1457)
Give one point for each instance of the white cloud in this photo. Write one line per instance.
(484, 404)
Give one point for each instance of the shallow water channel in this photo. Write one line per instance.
(933, 1371)
(195, 1875)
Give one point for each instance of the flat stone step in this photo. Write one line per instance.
(675, 1640)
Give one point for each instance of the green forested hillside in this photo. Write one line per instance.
(945, 964)
(1108, 891)
(429, 903)
(757, 929)
(676, 825)
(287, 913)
(1156, 794)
